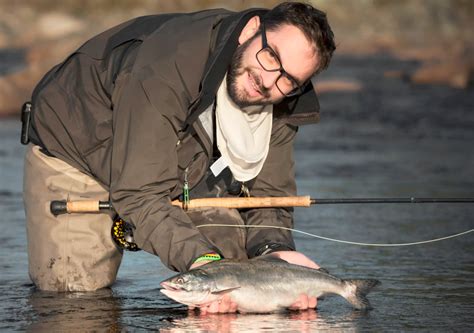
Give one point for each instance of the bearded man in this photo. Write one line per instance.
(209, 101)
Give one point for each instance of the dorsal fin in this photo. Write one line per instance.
(270, 258)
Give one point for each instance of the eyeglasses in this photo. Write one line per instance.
(270, 61)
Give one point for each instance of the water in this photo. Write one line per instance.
(390, 139)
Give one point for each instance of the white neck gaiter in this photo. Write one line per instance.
(243, 135)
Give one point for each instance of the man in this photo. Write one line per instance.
(210, 101)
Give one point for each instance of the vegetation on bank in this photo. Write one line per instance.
(413, 21)
(437, 32)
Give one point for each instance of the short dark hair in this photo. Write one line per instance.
(312, 22)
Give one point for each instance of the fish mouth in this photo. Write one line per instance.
(170, 286)
(176, 293)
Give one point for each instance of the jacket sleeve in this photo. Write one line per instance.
(276, 179)
(144, 172)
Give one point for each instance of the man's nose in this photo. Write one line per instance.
(269, 79)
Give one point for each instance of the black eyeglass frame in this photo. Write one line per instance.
(299, 88)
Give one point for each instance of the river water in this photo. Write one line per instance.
(390, 139)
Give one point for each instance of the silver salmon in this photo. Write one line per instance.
(261, 285)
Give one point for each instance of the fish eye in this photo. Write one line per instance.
(180, 280)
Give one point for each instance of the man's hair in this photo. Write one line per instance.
(311, 21)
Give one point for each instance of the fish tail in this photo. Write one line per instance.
(356, 292)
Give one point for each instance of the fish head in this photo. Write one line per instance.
(191, 288)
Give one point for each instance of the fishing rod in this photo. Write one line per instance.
(122, 232)
(59, 207)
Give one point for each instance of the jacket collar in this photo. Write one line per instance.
(298, 110)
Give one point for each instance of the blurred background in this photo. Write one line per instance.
(397, 120)
(37, 34)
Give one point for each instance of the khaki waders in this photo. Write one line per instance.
(75, 252)
(70, 252)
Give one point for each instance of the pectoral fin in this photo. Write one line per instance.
(224, 291)
(225, 285)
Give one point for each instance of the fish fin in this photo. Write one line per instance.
(324, 270)
(226, 285)
(224, 291)
(357, 290)
(269, 257)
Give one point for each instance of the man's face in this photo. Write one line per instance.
(249, 84)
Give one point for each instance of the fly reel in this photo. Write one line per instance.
(122, 234)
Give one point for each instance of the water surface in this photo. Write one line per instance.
(389, 139)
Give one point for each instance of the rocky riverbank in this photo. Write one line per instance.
(438, 33)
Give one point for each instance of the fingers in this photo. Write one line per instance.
(304, 302)
(301, 303)
(294, 257)
(224, 305)
(233, 307)
(197, 264)
(312, 302)
(213, 307)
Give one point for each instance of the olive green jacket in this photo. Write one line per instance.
(123, 108)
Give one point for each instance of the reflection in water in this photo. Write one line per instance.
(66, 312)
(291, 321)
(386, 141)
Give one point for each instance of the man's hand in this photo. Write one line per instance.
(294, 257)
(303, 302)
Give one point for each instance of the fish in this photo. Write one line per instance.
(263, 284)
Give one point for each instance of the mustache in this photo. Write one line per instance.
(258, 82)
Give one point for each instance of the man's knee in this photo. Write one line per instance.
(74, 256)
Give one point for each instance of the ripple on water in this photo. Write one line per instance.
(369, 143)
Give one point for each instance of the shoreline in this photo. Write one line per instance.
(438, 35)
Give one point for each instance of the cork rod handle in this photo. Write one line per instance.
(93, 206)
(251, 202)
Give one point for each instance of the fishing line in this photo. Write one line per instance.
(338, 240)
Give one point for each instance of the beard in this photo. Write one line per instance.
(237, 69)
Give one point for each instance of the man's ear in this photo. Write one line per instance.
(250, 29)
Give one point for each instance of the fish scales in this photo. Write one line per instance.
(263, 284)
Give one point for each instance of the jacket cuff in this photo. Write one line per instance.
(269, 248)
